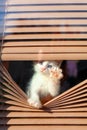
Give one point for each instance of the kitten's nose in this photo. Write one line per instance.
(42, 69)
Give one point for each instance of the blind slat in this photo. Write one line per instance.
(45, 36)
(64, 23)
(46, 43)
(54, 16)
(46, 2)
(31, 114)
(24, 50)
(46, 30)
(50, 8)
(64, 127)
(29, 56)
(46, 121)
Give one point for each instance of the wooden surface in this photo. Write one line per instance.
(45, 30)
(67, 111)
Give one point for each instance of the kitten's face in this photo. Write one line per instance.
(45, 66)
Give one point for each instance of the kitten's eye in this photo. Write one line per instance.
(49, 66)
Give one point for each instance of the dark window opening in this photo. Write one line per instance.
(74, 72)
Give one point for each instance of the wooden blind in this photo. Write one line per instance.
(45, 29)
(65, 112)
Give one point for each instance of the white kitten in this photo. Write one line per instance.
(45, 81)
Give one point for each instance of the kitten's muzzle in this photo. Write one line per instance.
(43, 69)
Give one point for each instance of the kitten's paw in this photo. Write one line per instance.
(60, 74)
(56, 73)
(36, 104)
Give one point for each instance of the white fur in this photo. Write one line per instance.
(42, 84)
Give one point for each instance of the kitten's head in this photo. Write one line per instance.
(45, 66)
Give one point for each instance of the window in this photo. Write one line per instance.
(44, 30)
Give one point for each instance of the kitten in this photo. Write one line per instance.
(45, 81)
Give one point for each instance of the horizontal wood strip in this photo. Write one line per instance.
(27, 121)
(32, 8)
(42, 114)
(42, 9)
(46, 15)
(14, 108)
(46, 29)
(62, 56)
(46, 22)
(42, 43)
(38, 50)
(44, 121)
(45, 36)
(42, 127)
(51, 107)
(45, 2)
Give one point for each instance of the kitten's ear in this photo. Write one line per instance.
(59, 62)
